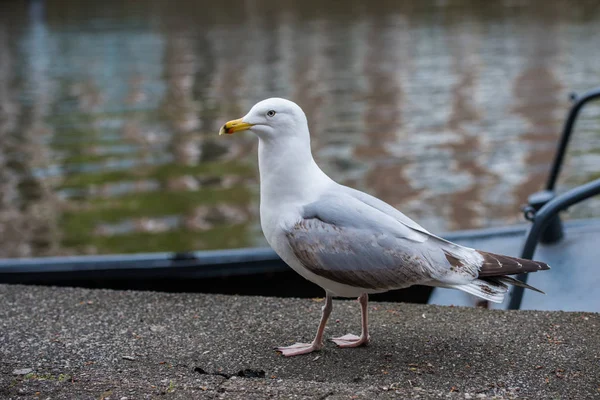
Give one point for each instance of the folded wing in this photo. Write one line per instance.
(367, 245)
(347, 241)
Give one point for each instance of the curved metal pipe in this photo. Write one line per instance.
(580, 101)
(540, 222)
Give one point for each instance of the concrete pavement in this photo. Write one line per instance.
(70, 343)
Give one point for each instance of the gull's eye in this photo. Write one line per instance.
(271, 113)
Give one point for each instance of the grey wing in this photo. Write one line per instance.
(343, 210)
(348, 242)
(463, 254)
(394, 213)
(384, 207)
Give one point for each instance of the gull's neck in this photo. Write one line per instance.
(288, 172)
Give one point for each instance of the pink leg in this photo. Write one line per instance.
(317, 343)
(351, 340)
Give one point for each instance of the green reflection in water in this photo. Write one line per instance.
(231, 236)
(161, 173)
(79, 225)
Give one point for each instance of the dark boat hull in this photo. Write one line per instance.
(249, 271)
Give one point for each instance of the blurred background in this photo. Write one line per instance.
(448, 110)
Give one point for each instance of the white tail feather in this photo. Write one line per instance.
(486, 290)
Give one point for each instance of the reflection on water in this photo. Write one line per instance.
(109, 112)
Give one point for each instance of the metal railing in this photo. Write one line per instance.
(544, 207)
(542, 219)
(579, 102)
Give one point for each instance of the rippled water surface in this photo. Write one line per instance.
(449, 110)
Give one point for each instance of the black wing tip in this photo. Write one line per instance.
(541, 266)
(509, 280)
(533, 288)
(498, 264)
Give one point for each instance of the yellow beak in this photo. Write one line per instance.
(234, 126)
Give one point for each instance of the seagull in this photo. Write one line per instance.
(349, 242)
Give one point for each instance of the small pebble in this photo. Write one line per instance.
(23, 371)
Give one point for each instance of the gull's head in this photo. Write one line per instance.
(270, 118)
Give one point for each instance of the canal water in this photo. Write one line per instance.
(448, 110)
